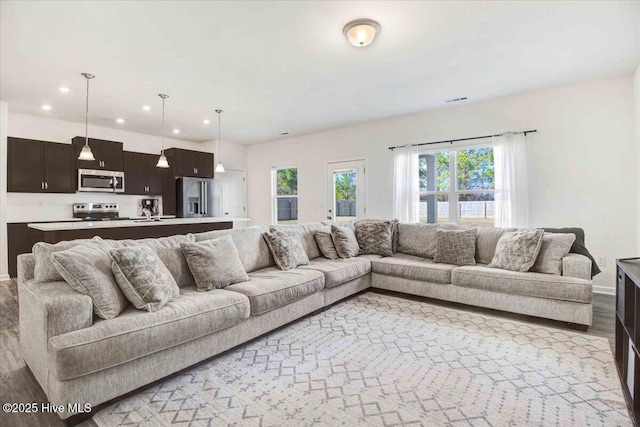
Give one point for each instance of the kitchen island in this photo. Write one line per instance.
(54, 232)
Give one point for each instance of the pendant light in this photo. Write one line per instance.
(219, 167)
(162, 161)
(85, 153)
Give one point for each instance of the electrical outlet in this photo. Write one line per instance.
(601, 260)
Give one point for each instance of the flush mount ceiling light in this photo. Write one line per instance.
(86, 153)
(162, 160)
(361, 32)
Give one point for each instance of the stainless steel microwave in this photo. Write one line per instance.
(100, 181)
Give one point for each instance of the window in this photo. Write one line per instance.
(284, 194)
(457, 187)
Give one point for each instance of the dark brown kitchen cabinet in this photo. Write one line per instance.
(108, 155)
(190, 163)
(40, 167)
(141, 176)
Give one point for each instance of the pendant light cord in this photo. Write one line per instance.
(219, 138)
(162, 151)
(86, 117)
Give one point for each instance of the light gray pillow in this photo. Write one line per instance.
(417, 239)
(456, 247)
(44, 270)
(555, 246)
(375, 237)
(214, 263)
(87, 269)
(169, 251)
(325, 243)
(143, 278)
(286, 247)
(345, 241)
(518, 250)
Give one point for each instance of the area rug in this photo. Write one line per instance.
(379, 360)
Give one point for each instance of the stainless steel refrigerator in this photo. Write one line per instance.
(198, 197)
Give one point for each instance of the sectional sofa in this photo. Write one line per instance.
(78, 358)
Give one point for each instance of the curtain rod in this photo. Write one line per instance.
(451, 141)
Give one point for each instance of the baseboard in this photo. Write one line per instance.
(604, 290)
(4, 277)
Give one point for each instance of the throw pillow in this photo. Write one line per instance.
(395, 225)
(214, 263)
(325, 243)
(418, 239)
(345, 240)
(456, 247)
(375, 237)
(554, 247)
(486, 242)
(286, 247)
(87, 269)
(578, 246)
(143, 278)
(44, 270)
(517, 250)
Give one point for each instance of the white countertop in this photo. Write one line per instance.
(85, 225)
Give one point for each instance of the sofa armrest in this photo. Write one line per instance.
(47, 309)
(26, 267)
(578, 266)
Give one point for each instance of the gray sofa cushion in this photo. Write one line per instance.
(325, 244)
(340, 271)
(252, 248)
(307, 233)
(44, 270)
(413, 267)
(456, 247)
(87, 269)
(417, 239)
(554, 248)
(169, 251)
(527, 284)
(271, 288)
(486, 241)
(375, 237)
(517, 250)
(137, 333)
(214, 263)
(286, 247)
(143, 278)
(345, 240)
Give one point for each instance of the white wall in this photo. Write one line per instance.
(24, 207)
(582, 161)
(4, 115)
(636, 80)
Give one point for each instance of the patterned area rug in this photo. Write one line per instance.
(378, 360)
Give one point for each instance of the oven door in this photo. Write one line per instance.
(100, 181)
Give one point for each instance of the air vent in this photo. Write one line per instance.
(464, 98)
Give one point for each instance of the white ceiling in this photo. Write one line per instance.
(286, 67)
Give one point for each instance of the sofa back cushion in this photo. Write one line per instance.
(486, 241)
(44, 270)
(307, 233)
(417, 239)
(252, 248)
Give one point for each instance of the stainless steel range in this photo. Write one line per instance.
(97, 211)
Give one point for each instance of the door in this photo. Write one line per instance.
(347, 190)
(233, 193)
(155, 175)
(135, 173)
(59, 168)
(203, 162)
(25, 166)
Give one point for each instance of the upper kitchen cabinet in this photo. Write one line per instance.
(40, 167)
(190, 163)
(141, 174)
(108, 155)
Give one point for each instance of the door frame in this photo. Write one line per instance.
(361, 186)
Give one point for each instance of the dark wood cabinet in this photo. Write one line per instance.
(40, 167)
(142, 176)
(190, 163)
(108, 155)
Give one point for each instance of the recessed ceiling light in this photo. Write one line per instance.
(176, 131)
(206, 121)
(63, 89)
(120, 120)
(46, 107)
(146, 108)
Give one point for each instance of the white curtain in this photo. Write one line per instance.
(512, 196)
(406, 185)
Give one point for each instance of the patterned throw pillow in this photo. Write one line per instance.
(87, 269)
(345, 240)
(325, 243)
(143, 278)
(555, 246)
(214, 263)
(375, 237)
(517, 250)
(286, 247)
(456, 247)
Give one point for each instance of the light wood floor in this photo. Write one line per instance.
(18, 385)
